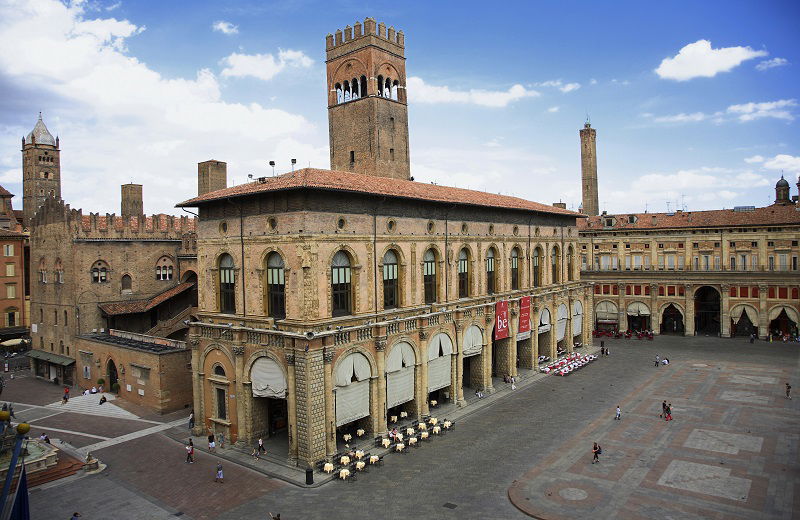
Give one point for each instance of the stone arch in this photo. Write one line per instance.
(677, 305)
(347, 249)
(414, 347)
(215, 346)
(255, 356)
(373, 365)
(741, 316)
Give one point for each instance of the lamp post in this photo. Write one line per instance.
(22, 431)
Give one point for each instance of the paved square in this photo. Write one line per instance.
(704, 479)
(723, 442)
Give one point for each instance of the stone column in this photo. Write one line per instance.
(588, 313)
(763, 317)
(380, 401)
(655, 316)
(457, 372)
(421, 375)
(487, 353)
(724, 311)
(330, 417)
(242, 427)
(535, 336)
(291, 406)
(688, 306)
(310, 405)
(197, 387)
(512, 340)
(622, 309)
(568, 332)
(553, 327)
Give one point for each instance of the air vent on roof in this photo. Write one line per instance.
(742, 209)
(671, 214)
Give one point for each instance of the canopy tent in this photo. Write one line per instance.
(638, 309)
(776, 311)
(440, 350)
(577, 318)
(14, 342)
(561, 324)
(606, 312)
(738, 310)
(473, 341)
(400, 374)
(267, 379)
(352, 388)
(544, 321)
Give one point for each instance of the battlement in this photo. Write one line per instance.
(369, 32)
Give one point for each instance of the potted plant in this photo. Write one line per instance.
(101, 382)
(115, 388)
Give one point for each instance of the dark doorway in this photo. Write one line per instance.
(783, 325)
(672, 321)
(638, 322)
(744, 327)
(706, 311)
(113, 378)
(466, 374)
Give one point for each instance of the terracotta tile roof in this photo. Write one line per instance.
(155, 222)
(136, 306)
(357, 183)
(769, 215)
(5, 193)
(7, 233)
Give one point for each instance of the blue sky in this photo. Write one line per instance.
(693, 101)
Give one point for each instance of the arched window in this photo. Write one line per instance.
(61, 346)
(59, 271)
(347, 93)
(555, 264)
(42, 271)
(538, 263)
(380, 86)
(276, 286)
(341, 290)
(55, 317)
(490, 279)
(219, 371)
(463, 273)
(164, 268)
(339, 93)
(514, 269)
(66, 318)
(363, 83)
(354, 86)
(100, 272)
(429, 276)
(395, 88)
(227, 285)
(390, 285)
(569, 264)
(127, 283)
(387, 88)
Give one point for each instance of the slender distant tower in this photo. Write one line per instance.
(41, 169)
(367, 110)
(591, 206)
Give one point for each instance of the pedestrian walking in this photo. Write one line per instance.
(668, 412)
(190, 452)
(663, 409)
(602, 350)
(255, 453)
(788, 390)
(752, 337)
(658, 360)
(274, 517)
(619, 413)
(191, 419)
(607, 352)
(219, 476)
(212, 446)
(75, 516)
(596, 451)
(261, 448)
(221, 439)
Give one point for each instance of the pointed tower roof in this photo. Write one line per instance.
(40, 132)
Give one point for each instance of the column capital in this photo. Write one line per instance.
(380, 344)
(194, 341)
(289, 358)
(327, 355)
(237, 350)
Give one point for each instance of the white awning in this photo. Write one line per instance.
(606, 312)
(354, 367)
(267, 379)
(401, 355)
(352, 402)
(577, 318)
(738, 310)
(438, 373)
(400, 387)
(561, 324)
(638, 309)
(439, 345)
(473, 341)
(776, 311)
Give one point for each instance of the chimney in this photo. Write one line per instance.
(211, 176)
(562, 205)
(132, 205)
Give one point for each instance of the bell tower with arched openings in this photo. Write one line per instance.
(367, 105)
(41, 169)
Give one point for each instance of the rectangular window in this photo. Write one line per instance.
(614, 263)
(771, 261)
(661, 290)
(670, 261)
(389, 286)
(515, 272)
(352, 157)
(753, 244)
(754, 292)
(732, 292)
(794, 263)
(681, 262)
(771, 293)
(10, 270)
(647, 290)
(783, 262)
(743, 262)
(661, 261)
(597, 289)
(637, 290)
(671, 290)
(732, 265)
(11, 291)
(783, 293)
(716, 263)
(605, 262)
(627, 289)
(463, 278)
(744, 292)
(8, 250)
(627, 262)
(222, 408)
(681, 290)
(637, 261)
(615, 289)
(697, 263)
(429, 277)
(391, 154)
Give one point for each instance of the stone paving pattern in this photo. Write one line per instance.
(532, 446)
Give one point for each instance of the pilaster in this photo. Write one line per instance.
(291, 405)
(242, 425)
(197, 387)
(724, 311)
(688, 306)
(379, 419)
(330, 419)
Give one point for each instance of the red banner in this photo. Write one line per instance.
(525, 314)
(501, 320)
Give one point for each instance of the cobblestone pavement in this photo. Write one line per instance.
(733, 436)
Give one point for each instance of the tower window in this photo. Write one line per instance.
(391, 154)
(352, 157)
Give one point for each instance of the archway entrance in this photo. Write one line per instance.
(672, 321)
(352, 395)
(743, 321)
(113, 378)
(440, 350)
(783, 321)
(638, 316)
(577, 322)
(270, 416)
(400, 385)
(472, 375)
(706, 311)
(543, 339)
(561, 330)
(606, 316)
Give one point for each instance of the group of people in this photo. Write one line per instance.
(603, 349)
(659, 361)
(93, 390)
(259, 449)
(666, 411)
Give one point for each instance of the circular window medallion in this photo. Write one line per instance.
(391, 225)
(272, 223)
(431, 226)
(464, 228)
(340, 223)
(516, 230)
(223, 227)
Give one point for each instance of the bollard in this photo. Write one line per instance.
(309, 476)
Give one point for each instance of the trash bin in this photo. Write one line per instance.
(309, 476)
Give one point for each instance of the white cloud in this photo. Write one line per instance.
(754, 159)
(682, 118)
(263, 66)
(773, 109)
(225, 27)
(771, 64)
(700, 60)
(592, 81)
(121, 121)
(115, 5)
(560, 85)
(553, 110)
(421, 92)
(785, 162)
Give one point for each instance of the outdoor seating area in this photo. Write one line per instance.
(568, 364)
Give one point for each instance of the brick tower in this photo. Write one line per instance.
(41, 170)
(588, 134)
(367, 104)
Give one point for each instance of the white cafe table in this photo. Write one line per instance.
(345, 459)
(373, 459)
(360, 465)
(343, 474)
(399, 447)
(385, 443)
(359, 454)
(436, 430)
(328, 467)
(347, 437)
(424, 435)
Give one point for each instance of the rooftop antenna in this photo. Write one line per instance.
(272, 163)
(588, 119)
(668, 207)
(645, 206)
(294, 161)
(683, 202)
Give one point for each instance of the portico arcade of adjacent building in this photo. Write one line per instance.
(351, 306)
